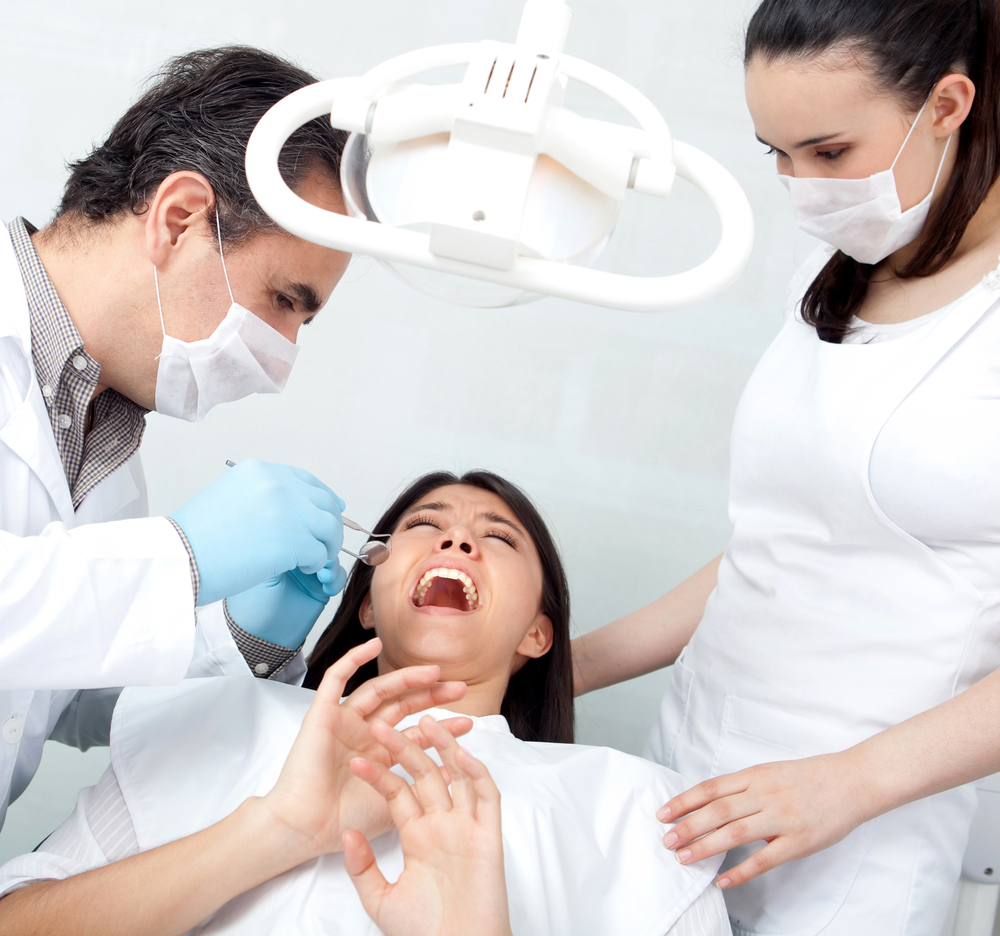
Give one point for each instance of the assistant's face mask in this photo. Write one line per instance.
(861, 217)
(243, 355)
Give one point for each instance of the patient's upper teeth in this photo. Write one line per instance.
(469, 587)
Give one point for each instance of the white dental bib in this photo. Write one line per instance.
(582, 847)
(829, 624)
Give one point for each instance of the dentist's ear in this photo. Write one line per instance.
(365, 613)
(536, 643)
(179, 208)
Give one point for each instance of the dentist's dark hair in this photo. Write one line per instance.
(538, 704)
(908, 45)
(197, 113)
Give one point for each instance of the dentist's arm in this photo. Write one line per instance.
(168, 890)
(647, 639)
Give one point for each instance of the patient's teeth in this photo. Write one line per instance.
(469, 587)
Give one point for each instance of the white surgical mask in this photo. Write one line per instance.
(243, 355)
(861, 217)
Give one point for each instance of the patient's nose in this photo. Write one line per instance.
(458, 539)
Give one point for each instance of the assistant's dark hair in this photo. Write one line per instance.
(197, 113)
(538, 704)
(909, 45)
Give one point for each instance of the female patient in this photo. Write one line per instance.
(198, 824)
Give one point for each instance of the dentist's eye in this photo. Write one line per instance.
(503, 535)
(284, 302)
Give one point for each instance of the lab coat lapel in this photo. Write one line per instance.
(28, 432)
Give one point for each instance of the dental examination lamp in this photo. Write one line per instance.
(490, 192)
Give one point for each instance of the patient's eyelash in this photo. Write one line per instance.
(505, 536)
(421, 520)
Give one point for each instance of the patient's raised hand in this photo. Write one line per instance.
(453, 879)
(317, 797)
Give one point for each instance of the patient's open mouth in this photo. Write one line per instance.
(446, 588)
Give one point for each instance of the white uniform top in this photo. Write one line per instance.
(93, 598)
(582, 847)
(834, 618)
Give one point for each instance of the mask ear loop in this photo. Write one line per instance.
(218, 230)
(909, 133)
(156, 284)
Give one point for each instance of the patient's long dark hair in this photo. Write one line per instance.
(538, 704)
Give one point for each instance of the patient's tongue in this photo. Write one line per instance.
(446, 593)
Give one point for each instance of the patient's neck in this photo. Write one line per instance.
(484, 695)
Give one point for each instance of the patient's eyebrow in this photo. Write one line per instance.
(494, 517)
(432, 505)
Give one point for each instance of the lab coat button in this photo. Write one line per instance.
(47, 392)
(65, 421)
(13, 728)
(260, 669)
(80, 362)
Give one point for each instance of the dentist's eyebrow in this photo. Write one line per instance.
(497, 518)
(813, 141)
(305, 294)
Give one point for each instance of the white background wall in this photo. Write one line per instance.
(617, 423)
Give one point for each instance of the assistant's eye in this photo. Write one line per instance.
(421, 520)
(831, 154)
(503, 535)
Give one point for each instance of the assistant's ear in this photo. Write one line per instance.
(365, 613)
(181, 206)
(538, 641)
(951, 101)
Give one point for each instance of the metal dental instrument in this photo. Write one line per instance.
(373, 553)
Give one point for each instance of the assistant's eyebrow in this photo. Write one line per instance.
(494, 517)
(813, 141)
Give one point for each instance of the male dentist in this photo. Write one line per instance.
(161, 284)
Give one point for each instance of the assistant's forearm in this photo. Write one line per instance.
(645, 640)
(161, 892)
(951, 744)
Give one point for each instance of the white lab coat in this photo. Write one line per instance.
(99, 597)
(829, 624)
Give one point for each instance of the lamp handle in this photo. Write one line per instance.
(548, 277)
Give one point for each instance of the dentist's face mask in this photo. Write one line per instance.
(861, 217)
(243, 355)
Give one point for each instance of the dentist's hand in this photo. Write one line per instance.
(258, 521)
(284, 609)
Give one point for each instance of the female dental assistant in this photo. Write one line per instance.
(839, 683)
(130, 301)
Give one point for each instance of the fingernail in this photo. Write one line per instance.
(684, 855)
(725, 882)
(664, 814)
(670, 839)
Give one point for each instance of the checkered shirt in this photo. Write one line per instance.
(68, 377)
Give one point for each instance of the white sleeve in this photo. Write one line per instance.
(707, 916)
(104, 604)
(99, 831)
(216, 652)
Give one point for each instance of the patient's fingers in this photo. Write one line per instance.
(375, 692)
(331, 687)
(393, 710)
(428, 784)
(487, 794)
(403, 805)
(456, 727)
(359, 860)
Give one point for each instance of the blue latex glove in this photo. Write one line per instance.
(257, 521)
(283, 609)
